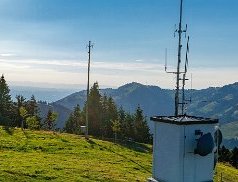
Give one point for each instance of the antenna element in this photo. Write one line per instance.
(180, 31)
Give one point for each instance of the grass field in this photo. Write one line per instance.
(41, 156)
(226, 173)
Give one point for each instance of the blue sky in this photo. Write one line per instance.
(44, 41)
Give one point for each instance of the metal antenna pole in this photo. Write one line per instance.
(89, 60)
(177, 99)
(180, 31)
(183, 93)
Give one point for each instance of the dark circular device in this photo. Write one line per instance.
(205, 144)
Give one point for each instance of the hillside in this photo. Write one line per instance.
(129, 96)
(220, 102)
(230, 134)
(41, 156)
(217, 102)
(63, 112)
(230, 130)
(44, 94)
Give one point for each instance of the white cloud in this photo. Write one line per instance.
(6, 54)
(109, 73)
(138, 60)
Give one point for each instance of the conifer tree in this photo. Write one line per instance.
(94, 111)
(23, 114)
(49, 122)
(20, 102)
(129, 125)
(104, 116)
(74, 121)
(141, 128)
(224, 154)
(234, 157)
(69, 124)
(116, 127)
(32, 106)
(6, 105)
(123, 124)
(111, 116)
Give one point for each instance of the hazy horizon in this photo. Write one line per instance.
(45, 41)
(80, 87)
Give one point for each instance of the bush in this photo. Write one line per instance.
(33, 123)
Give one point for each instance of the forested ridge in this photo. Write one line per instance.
(106, 120)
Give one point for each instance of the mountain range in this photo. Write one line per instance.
(43, 94)
(214, 102)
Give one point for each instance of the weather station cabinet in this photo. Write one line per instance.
(183, 149)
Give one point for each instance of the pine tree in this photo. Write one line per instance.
(69, 124)
(234, 157)
(123, 124)
(23, 114)
(74, 121)
(6, 105)
(224, 154)
(116, 127)
(129, 126)
(49, 122)
(104, 116)
(109, 116)
(94, 111)
(32, 106)
(20, 102)
(141, 128)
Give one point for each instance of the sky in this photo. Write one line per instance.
(44, 42)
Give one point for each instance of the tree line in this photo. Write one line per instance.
(21, 112)
(229, 156)
(106, 120)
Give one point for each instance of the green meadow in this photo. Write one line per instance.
(42, 155)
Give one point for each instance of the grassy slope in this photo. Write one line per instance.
(40, 156)
(227, 173)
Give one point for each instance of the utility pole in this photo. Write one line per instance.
(89, 46)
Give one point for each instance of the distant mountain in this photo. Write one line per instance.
(72, 100)
(63, 112)
(219, 102)
(44, 94)
(152, 99)
(230, 130)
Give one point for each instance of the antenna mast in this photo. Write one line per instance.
(89, 60)
(180, 31)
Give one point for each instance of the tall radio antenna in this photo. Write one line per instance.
(180, 31)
